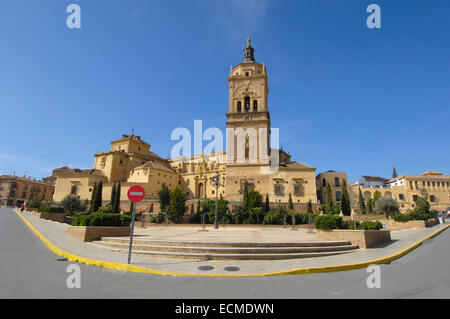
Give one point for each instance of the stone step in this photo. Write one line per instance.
(228, 250)
(206, 256)
(152, 242)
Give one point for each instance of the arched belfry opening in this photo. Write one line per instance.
(247, 103)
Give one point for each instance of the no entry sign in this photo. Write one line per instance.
(136, 193)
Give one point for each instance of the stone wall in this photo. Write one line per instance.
(362, 238)
(49, 216)
(393, 225)
(90, 233)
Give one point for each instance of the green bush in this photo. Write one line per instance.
(102, 219)
(272, 218)
(350, 224)
(328, 222)
(157, 219)
(371, 225)
(402, 218)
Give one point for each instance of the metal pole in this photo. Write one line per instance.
(131, 232)
(216, 219)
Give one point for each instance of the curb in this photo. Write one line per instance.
(298, 271)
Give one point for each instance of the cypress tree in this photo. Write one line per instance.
(345, 201)
(98, 197)
(394, 172)
(113, 196)
(117, 200)
(362, 205)
(164, 197)
(245, 200)
(328, 199)
(309, 208)
(290, 203)
(267, 205)
(93, 195)
(369, 206)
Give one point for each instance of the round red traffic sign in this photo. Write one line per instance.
(136, 193)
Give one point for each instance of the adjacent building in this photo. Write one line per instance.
(15, 191)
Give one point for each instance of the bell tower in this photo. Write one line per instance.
(248, 109)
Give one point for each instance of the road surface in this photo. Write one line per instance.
(28, 269)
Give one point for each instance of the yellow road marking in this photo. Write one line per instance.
(137, 269)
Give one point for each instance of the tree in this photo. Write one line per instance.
(71, 203)
(345, 200)
(113, 195)
(394, 172)
(94, 192)
(362, 205)
(254, 206)
(116, 206)
(164, 197)
(98, 197)
(376, 196)
(309, 208)
(387, 206)
(34, 202)
(290, 203)
(328, 199)
(422, 203)
(245, 200)
(369, 206)
(209, 209)
(267, 205)
(177, 204)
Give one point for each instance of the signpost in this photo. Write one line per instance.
(135, 194)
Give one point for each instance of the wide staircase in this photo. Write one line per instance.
(225, 250)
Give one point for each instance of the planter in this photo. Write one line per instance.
(393, 225)
(90, 233)
(362, 238)
(57, 217)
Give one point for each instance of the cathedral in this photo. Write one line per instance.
(250, 157)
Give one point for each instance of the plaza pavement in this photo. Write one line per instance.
(55, 233)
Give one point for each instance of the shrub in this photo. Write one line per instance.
(71, 203)
(102, 219)
(328, 222)
(402, 218)
(106, 210)
(34, 202)
(387, 206)
(371, 225)
(157, 219)
(272, 218)
(350, 224)
(45, 207)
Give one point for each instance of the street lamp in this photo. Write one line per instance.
(215, 181)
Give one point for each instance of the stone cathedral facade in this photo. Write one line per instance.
(250, 157)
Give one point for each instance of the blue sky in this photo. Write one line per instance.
(345, 97)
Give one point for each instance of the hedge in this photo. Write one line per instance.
(102, 219)
(328, 222)
(402, 218)
(371, 225)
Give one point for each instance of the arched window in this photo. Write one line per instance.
(239, 106)
(247, 103)
(255, 106)
(324, 182)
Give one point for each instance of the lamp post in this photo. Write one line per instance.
(215, 181)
